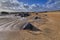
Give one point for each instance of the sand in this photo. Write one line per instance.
(49, 26)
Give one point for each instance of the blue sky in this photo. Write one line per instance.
(33, 1)
(30, 5)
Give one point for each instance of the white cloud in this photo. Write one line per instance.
(56, 4)
(12, 5)
(53, 5)
(20, 6)
(48, 1)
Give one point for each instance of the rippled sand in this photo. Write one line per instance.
(50, 27)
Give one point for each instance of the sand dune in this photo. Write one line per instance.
(48, 23)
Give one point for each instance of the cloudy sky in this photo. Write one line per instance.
(29, 5)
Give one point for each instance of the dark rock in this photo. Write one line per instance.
(4, 13)
(37, 18)
(24, 14)
(36, 13)
(31, 27)
(45, 14)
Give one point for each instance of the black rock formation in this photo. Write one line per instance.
(37, 17)
(24, 14)
(31, 27)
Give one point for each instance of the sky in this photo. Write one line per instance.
(29, 5)
(34, 1)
